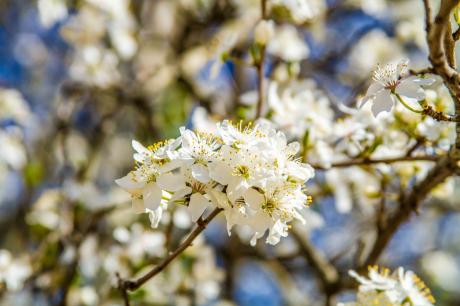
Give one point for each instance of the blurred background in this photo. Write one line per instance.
(79, 79)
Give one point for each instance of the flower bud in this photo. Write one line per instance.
(264, 31)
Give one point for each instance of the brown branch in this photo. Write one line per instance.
(409, 203)
(449, 45)
(456, 34)
(367, 161)
(428, 110)
(260, 83)
(440, 60)
(260, 66)
(263, 9)
(124, 293)
(131, 285)
(421, 71)
(428, 15)
(326, 271)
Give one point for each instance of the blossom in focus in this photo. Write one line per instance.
(391, 81)
(249, 172)
(398, 288)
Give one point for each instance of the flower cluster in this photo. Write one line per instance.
(249, 172)
(400, 288)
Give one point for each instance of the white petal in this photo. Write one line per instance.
(197, 206)
(138, 206)
(218, 198)
(410, 89)
(364, 100)
(383, 102)
(152, 196)
(129, 184)
(253, 198)
(301, 171)
(260, 222)
(201, 173)
(180, 194)
(374, 89)
(278, 230)
(422, 81)
(254, 238)
(169, 166)
(155, 217)
(141, 150)
(236, 188)
(171, 182)
(220, 172)
(293, 148)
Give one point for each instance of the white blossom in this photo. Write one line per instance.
(398, 288)
(391, 81)
(13, 270)
(302, 10)
(249, 172)
(288, 44)
(264, 31)
(51, 11)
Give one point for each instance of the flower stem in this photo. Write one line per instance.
(407, 105)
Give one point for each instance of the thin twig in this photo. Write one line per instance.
(260, 66)
(326, 271)
(439, 116)
(421, 71)
(128, 285)
(409, 203)
(124, 293)
(367, 161)
(428, 15)
(261, 83)
(456, 35)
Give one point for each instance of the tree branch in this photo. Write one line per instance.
(440, 60)
(439, 116)
(367, 161)
(428, 15)
(128, 285)
(326, 271)
(456, 34)
(409, 202)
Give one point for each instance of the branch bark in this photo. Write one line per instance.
(129, 285)
(326, 271)
(439, 56)
(409, 203)
(366, 161)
